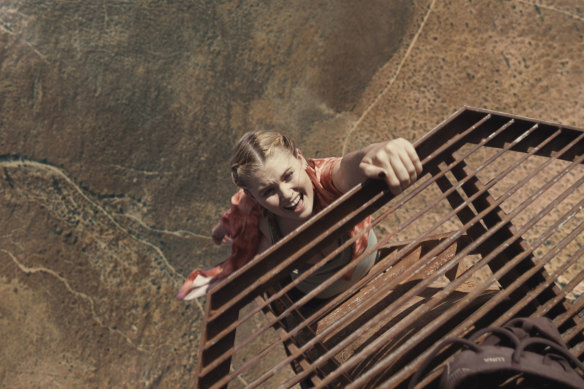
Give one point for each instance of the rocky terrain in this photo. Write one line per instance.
(117, 119)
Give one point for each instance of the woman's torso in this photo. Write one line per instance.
(273, 230)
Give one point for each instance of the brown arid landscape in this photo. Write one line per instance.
(117, 119)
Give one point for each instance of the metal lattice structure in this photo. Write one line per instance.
(491, 231)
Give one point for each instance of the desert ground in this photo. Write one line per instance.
(117, 119)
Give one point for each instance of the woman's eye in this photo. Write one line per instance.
(288, 176)
(268, 192)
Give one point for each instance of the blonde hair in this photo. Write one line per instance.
(252, 150)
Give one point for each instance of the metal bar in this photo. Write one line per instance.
(303, 362)
(544, 309)
(575, 309)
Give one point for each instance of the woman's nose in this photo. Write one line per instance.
(286, 192)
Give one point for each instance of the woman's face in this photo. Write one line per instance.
(282, 186)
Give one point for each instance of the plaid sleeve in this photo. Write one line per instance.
(321, 172)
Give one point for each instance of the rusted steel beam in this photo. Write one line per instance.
(397, 327)
(314, 344)
(467, 116)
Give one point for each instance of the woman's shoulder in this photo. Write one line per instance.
(319, 163)
(320, 171)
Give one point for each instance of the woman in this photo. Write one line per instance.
(280, 190)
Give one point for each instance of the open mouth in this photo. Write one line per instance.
(295, 204)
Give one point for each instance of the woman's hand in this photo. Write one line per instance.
(219, 234)
(394, 161)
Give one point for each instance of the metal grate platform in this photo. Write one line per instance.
(492, 230)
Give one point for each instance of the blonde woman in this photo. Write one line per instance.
(280, 190)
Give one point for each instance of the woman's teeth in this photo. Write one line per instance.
(295, 203)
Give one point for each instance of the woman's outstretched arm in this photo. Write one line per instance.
(394, 161)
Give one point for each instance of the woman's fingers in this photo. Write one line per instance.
(385, 172)
(218, 233)
(394, 181)
(396, 162)
(413, 157)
